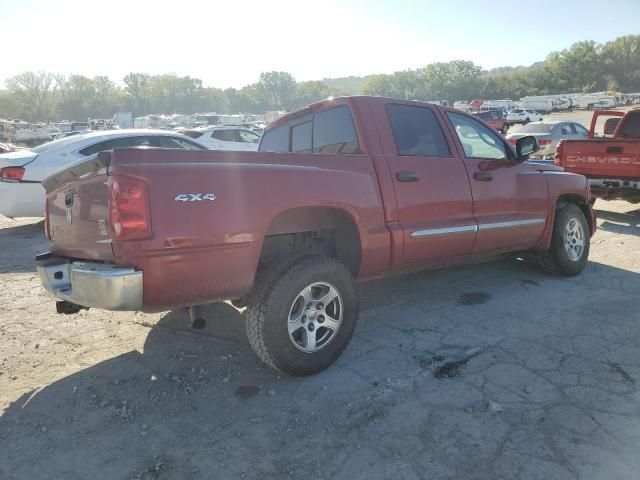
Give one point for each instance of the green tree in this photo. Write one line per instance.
(34, 95)
(621, 63)
(138, 93)
(277, 89)
(310, 92)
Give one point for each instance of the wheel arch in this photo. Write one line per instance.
(336, 227)
(562, 200)
(581, 202)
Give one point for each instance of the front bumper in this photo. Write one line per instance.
(91, 284)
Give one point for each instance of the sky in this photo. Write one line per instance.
(228, 43)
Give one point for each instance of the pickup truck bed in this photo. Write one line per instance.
(612, 165)
(342, 190)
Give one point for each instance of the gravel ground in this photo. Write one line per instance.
(487, 371)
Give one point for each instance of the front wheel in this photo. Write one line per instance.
(569, 250)
(303, 317)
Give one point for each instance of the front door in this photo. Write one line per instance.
(510, 198)
(435, 209)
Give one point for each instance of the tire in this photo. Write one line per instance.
(527, 120)
(278, 298)
(563, 257)
(505, 128)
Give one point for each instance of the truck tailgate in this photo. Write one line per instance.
(78, 211)
(601, 158)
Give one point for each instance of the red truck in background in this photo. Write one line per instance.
(611, 163)
(342, 190)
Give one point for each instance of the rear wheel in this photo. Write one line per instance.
(505, 127)
(569, 250)
(527, 120)
(302, 319)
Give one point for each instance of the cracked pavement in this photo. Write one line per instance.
(490, 371)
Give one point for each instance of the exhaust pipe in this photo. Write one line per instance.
(196, 317)
(68, 308)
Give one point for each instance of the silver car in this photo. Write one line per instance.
(548, 133)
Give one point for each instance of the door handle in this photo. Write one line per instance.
(482, 176)
(405, 176)
(68, 199)
(615, 150)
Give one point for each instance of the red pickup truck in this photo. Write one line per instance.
(345, 189)
(611, 162)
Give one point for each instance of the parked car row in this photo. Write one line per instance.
(549, 134)
(22, 171)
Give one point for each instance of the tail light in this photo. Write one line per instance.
(544, 142)
(557, 156)
(47, 231)
(12, 174)
(129, 216)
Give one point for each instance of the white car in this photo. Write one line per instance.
(523, 115)
(225, 138)
(22, 195)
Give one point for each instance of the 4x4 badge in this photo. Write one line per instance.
(194, 197)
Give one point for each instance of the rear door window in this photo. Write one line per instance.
(334, 132)
(417, 131)
(301, 138)
(329, 131)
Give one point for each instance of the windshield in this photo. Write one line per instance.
(536, 128)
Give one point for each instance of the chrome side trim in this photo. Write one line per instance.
(511, 224)
(433, 232)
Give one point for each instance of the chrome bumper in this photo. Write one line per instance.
(92, 284)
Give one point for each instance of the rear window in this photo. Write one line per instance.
(417, 131)
(121, 142)
(226, 135)
(191, 133)
(631, 126)
(536, 128)
(516, 110)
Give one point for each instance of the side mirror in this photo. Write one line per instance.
(525, 146)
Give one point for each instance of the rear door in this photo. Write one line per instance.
(510, 198)
(435, 209)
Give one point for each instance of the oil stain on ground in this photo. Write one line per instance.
(244, 392)
(615, 367)
(473, 298)
(450, 369)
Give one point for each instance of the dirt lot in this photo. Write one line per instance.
(492, 371)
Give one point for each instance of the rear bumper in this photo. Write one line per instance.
(91, 284)
(615, 188)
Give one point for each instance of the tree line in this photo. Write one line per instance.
(584, 67)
